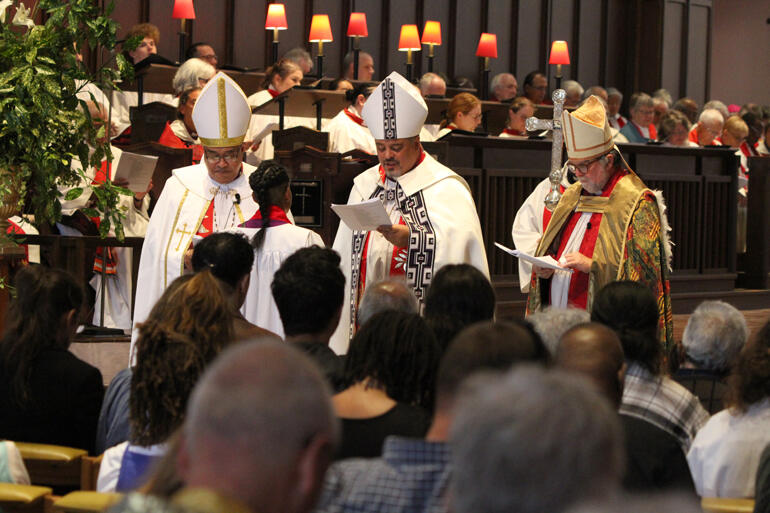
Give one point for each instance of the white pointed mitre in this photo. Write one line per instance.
(221, 113)
(587, 133)
(395, 109)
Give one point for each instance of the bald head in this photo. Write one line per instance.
(432, 85)
(594, 350)
(386, 295)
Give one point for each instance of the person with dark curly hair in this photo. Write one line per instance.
(187, 328)
(390, 373)
(726, 452)
(459, 296)
(629, 308)
(47, 394)
(274, 237)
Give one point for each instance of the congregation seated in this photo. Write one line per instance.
(726, 451)
(630, 309)
(521, 109)
(308, 291)
(674, 129)
(654, 458)
(47, 394)
(463, 114)
(389, 294)
(390, 372)
(639, 128)
(187, 328)
(715, 334)
(459, 295)
(413, 473)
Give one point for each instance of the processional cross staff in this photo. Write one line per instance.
(554, 125)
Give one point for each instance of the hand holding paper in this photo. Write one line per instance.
(365, 216)
(135, 171)
(546, 262)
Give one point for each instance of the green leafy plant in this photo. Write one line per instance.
(44, 127)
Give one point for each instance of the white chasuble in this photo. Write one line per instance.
(437, 206)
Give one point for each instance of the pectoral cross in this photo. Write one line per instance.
(533, 124)
(183, 232)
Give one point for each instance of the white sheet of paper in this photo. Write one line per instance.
(265, 131)
(137, 169)
(364, 216)
(547, 261)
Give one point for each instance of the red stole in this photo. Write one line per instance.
(272, 92)
(578, 286)
(170, 139)
(206, 227)
(354, 118)
(276, 215)
(651, 128)
(621, 122)
(16, 229)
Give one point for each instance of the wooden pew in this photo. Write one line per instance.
(16, 498)
(726, 505)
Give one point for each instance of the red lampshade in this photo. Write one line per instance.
(357, 25)
(559, 53)
(183, 9)
(487, 46)
(431, 34)
(410, 38)
(276, 17)
(320, 29)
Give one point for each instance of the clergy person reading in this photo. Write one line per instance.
(198, 200)
(434, 220)
(609, 226)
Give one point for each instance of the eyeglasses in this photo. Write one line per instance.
(583, 166)
(229, 157)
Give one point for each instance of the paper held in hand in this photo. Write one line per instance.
(547, 262)
(364, 216)
(136, 169)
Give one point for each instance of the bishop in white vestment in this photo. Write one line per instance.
(201, 199)
(433, 214)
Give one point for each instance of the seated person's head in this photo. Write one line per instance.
(229, 258)
(260, 429)
(536, 87)
(614, 99)
(503, 87)
(715, 334)
(42, 316)
(365, 66)
(749, 381)
(674, 128)
(386, 295)
(734, 132)
(688, 107)
(754, 122)
(597, 91)
(340, 84)
(186, 104)
(309, 290)
(594, 351)
(459, 295)
(282, 76)
(710, 124)
(396, 352)
(186, 329)
(552, 322)
(301, 58)
(193, 73)
(464, 112)
(432, 84)
(574, 93)
(521, 109)
(203, 51)
(149, 43)
(642, 109)
(548, 432)
(630, 309)
(358, 95)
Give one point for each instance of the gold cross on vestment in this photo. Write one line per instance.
(183, 232)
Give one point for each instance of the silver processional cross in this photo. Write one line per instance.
(533, 124)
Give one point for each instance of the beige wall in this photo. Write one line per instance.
(740, 51)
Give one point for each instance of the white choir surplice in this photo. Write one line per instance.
(437, 206)
(348, 132)
(177, 217)
(280, 242)
(122, 101)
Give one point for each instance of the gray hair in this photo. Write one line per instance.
(548, 432)
(664, 95)
(595, 91)
(299, 56)
(386, 295)
(612, 91)
(571, 86)
(495, 82)
(551, 323)
(190, 72)
(640, 100)
(717, 105)
(247, 406)
(426, 80)
(711, 116)
(715, 334)
(347, 61)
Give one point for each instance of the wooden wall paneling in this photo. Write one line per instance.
(160, 16)
(696, 68)
(648, 49)
(375, 23)
(402, 12)
(452, 46)
(226, 57)
(438, 11)
(501, 17)
(574, 48)
(589, 50)
(616, 49)
(561, 13)
(211, 27)
(334, 52)
(127, 13)
(529, 28)
(673, 47)
(514, 43)
(144, 12)
(603, 43)
(419, 20)
(296, 35)
(249, 34)
(466, 34)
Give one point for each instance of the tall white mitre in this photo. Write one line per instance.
(586, 131)
(395, 109)
(221, 113)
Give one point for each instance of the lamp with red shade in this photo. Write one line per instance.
(357, 29)
(183, 10)
(276, 20)
(431, 36)
(320, 32)
(409, 42)
(487, 49)
(559, 56)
